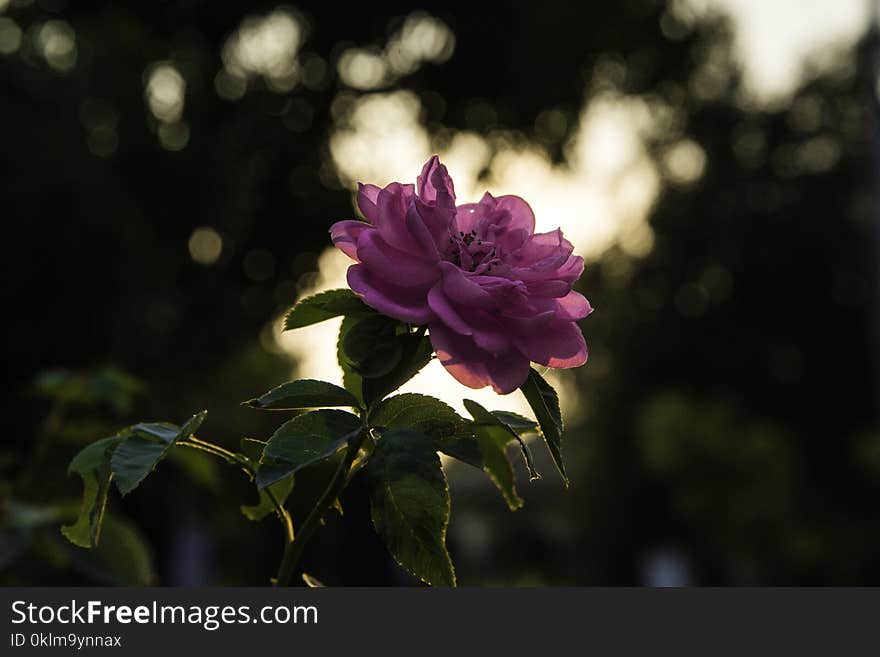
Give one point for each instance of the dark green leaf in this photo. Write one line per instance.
(253, 450)
(352, 381)
(191, 425)
(134, 459)
(463, 446)
(545, 404)
(416, 353)
(483, 417)
(325, 305)
(162, 432)
(306, 393)
(522, 425)
(92, 464)
(420, 413)
(371, 346)
(452, 435)
(124, 555)
(126, 457)
(280, 489)
(409, 502)
(493, 443)
(304, 440)
(140, 453)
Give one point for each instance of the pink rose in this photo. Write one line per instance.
(495, 295)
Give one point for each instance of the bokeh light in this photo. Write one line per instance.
(205, 245)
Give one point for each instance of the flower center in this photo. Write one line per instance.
(472, 253)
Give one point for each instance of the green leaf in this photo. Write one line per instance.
(416, 353)
(280, 489)
(163, 432)
(323, 306)
(545, 404)
(427, 415)
(127, 457)
(492, 420)
(304, 440)
(451, 433)
(521, 425)
(305, 393)
(92, 465)
(463, 446)
(493, 443)
(124, 554)
(191, 425)
(253, 450)
(140, 453)
(352, 381)
(371, 346)
(409, 501)
(134, 459)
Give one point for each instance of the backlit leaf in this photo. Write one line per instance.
(409, 501)
(545, 404)
(323, 306)
(305, 393)
(304, 440)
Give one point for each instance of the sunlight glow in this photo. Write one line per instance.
(164, 91)
(777, 42)
(205, 245)
(263, 46)
(684, 162)
(10, 36)
(56, 42)
(422, 38)
(362, 69)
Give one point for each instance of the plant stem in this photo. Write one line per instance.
(236, 459)
(283, 515)
(337, 484)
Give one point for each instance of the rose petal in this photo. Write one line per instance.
(465, 217)
(475, 368)
(435, 186)
(345, 234)
(533, 324)
(561, 345)
(405, 304)
(366, 199)
(393, 265)
(491, 340)
(459, 356)
(573, 306)
(571, 270)
(521, 216)
(445, 311)
(509, 372)
(391, 207)
(418, 229)
(462, 290)
(551, 288)
(542, 254)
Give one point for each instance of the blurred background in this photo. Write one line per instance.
(170, 173)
